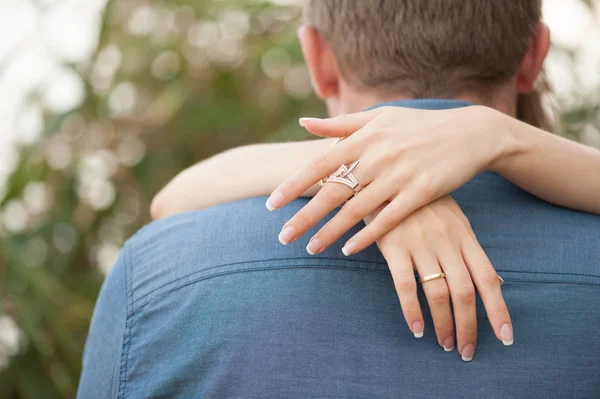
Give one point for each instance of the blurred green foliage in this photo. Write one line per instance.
(171, 83)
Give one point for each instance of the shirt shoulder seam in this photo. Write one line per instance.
(128, 324)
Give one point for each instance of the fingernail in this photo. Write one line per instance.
(449, 344)
(468, 352)
(506, 333)
(287, 235)
(417, 329)
(302, 121)
(349, 248)
(314, 246)
(501, 281)
(274, 201)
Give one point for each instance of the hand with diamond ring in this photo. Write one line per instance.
(408, 158)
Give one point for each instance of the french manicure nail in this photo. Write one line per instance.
(349, 248)
(314, 246)
(468, 352)
(303, 120)
(506, 333)
(417, 329)
(274, 201)
(287, 235)
(449, 344)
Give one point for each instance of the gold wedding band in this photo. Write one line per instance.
(443, 275)
(432, 277)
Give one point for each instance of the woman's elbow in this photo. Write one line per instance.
(159, 207)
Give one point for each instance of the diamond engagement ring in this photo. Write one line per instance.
(344, 176)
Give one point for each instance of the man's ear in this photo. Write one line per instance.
(321, 62)
(534, 60)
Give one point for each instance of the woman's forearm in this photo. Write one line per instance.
(243, 172)
(550, 167)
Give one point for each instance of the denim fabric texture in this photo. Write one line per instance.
(209, 304)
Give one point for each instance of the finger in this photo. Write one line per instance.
(339, 126)
(488, 285)
(319, 167)
(397, 210)
(355, 210)
(400, 265)
(462, 293)
(437, 293)
(327, 199)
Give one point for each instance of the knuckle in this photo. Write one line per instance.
(411, 309)
(444, 328)
(302, 221)
(291, 187)
(406, 286)
(419, 236)
(500, 309)
(408, 174)
(467, 331)
(426, 186)
(465, 294)
(354, 210)
(465, 221)
(439, 294)
(320, 162)
(439, 230)
(382, 154)
(490, 277)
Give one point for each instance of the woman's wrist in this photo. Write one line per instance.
(506, 139)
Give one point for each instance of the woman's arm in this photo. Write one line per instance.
(412, 157)
(548, 166)
(243, 172)
(551, 167)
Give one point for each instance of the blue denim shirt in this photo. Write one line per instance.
(209, 304)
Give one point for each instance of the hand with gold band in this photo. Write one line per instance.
(438, 243)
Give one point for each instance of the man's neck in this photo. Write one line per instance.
(351, 102)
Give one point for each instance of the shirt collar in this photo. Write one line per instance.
(426, 103)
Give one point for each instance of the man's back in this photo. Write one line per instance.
(209, 304)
